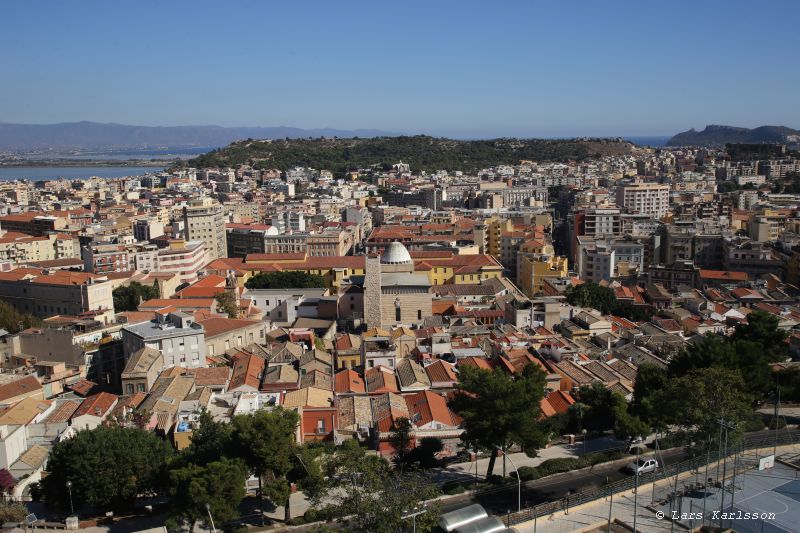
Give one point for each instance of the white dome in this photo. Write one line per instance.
(395, 254)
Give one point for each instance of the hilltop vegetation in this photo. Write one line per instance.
(421, 152)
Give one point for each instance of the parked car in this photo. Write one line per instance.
(642, 466)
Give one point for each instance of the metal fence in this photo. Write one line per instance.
(752, 442)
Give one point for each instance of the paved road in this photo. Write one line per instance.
(551, 488)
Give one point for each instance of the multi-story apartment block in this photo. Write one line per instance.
(147, 229)
(204, 220)
(289, 221)
(246, 239)
(105, 258)
(183, 258)
(645, 198)
(177, 336)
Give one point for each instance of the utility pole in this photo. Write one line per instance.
(705, 481)
(636, 491)
(733, 483)
(726, 426)
(775, 416)
(610, 502)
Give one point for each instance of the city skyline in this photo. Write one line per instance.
(459, 70)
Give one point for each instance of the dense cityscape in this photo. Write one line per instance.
(344, 347)
(399, 267)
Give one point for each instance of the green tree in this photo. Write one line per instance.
(372, 497)
(402, 440)
(226, 302)
(285, 280)
(650, 381)
(210, 440)
(109, 467)
(425, 454)
(128, 297)
(265, 441)
(604, 300)
(749, 351)
(13, 321)
(500, 410)
(762, 328)
(700, 399)
(218, 485)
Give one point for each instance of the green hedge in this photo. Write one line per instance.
(566, 464)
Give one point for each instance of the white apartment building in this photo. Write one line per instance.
(649, 199)
(183, 258)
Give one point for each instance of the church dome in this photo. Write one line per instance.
(395, 254)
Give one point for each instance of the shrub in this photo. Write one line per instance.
(296, 521)
(455, 488)
(528, 473)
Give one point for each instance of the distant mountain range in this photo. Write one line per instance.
(714, 135)
(100, 136)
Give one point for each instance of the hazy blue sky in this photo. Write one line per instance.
(450, 68)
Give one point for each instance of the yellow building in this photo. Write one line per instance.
(536, 263)
(495, 228)
(441, 268)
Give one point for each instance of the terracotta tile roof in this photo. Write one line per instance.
(723, 275)
(177, 303)
(24, 412)
(318, 379)
(349, 381)
(425, 407)
(480, 362)
(63, 411)
(220, 325)
(247, 371)
(19, 387)
(441, 372)
(411, 375)
(308, 397)
(546, 408)
(98, 405)
(284, 375)
(354, 411)
(380, 379)
(211, 376)
(388, 407)
(560, 401)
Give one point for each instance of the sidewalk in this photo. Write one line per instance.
(466, 471)
(595, 514)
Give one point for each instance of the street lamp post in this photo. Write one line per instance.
(583, 432)
(211, 519)
(71, 506)
(519, 480)
(413, 514)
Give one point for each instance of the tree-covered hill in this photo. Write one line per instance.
(421, 152)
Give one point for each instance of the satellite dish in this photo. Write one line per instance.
(30, 519)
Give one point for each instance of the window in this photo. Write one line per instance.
(129, 388)
(321, 426)
(140, 387)
(419, 314)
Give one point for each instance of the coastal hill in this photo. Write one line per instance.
(421, 152)
(109, 136)
(714, 135)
